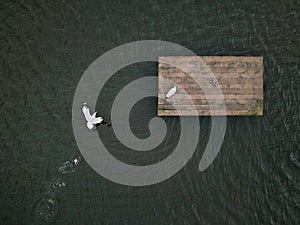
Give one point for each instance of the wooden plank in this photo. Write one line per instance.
(206, 113)
(239, 78)
(201, 96)
(205, 102)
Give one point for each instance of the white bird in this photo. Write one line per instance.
(76, 160)
(171, 92)
(214, 82)
(92, 120)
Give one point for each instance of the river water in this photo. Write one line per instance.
(45, 48)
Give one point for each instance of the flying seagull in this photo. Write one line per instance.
(171, 92)
(92, 120)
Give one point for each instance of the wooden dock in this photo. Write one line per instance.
(239, 78)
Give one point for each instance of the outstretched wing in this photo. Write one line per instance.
(86, 113)
(91, 119)
(97, 120)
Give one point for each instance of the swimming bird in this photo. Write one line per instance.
(92, 120)
(76, 160)
(171, 92)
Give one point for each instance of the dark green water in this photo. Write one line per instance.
(45, 48)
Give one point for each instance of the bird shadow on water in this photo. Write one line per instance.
(46, 206)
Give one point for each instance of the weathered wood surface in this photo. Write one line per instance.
(240, 79)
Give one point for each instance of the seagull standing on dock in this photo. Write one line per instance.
(92, 120)
(171, 92)
(214, 82)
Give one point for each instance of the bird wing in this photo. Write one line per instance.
(86, 113)
(91, 119)
(97, 120)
